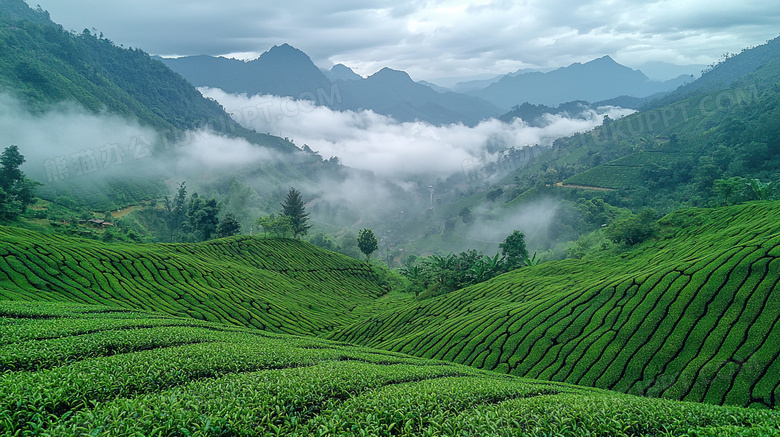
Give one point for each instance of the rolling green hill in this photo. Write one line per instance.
(691, 316)
(88, 370)
(276, 285)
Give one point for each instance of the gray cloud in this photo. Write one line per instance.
(435, 39)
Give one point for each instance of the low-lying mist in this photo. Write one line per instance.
(67, 143)
(408, 157)
(371, 141)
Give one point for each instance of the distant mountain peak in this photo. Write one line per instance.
(341, 71)
(285, 50)
(284, 46)
(284, 55)
(388, 73)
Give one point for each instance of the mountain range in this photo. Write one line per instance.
(287, 71)
(599, 79)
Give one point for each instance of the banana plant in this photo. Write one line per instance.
(758, 190)
(532, 261)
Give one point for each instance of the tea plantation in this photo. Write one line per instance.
(112, 339)
(691, 316)
(70, 369)
(271, 284)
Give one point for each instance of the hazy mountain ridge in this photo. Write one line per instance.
(281, 71)
(340, 72)
(288, 72)
(394, 93)
(599, 79)
(398, 96)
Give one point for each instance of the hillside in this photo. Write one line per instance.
(669, 154)
(692, 316)
(77, 369)
(42, 64)
(726, 132)
(731, 68)
(276, 285)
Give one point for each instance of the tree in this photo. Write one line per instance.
(176, 211)
(494, 194)
(514, 251)
(367, 242)
(633, 229)
(279, 226)
(465, 215)
(16, 191)
(728, 187)
(229, 226)
(294, 208)
(202, 217)
(323, 241)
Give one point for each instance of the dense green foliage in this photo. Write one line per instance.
(633, 229)
(295, 208)
(436, 274)
(367, 242)
(78, 370)
(693, 315)
(277, 285)
(276, 225)
(16, 191)
(228, 226)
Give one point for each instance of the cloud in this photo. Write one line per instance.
(66, 133)
(435, 39)
(371, 141)
(201, 150)
(532, 219)
(66, 143)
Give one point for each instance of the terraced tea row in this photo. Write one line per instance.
(230, 381)
(276, 285)
(693, 316)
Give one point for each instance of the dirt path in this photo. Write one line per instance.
(123, 212)
(584, 187)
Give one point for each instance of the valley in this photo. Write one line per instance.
(356, 240)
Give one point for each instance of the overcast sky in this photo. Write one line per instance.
(433, 39)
